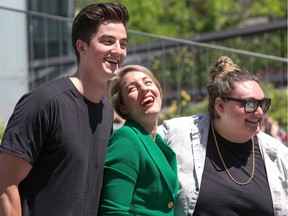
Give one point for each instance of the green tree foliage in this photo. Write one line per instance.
(271, 9)
(278, 110)
(2, 128)
(184, 18)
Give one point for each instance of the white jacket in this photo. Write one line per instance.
(188, 136)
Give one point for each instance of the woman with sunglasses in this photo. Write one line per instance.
(226, 165)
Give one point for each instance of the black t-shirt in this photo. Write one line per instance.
(219, 195)
(65, 137)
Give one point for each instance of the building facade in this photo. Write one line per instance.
(35, 47)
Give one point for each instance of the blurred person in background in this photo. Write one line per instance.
(226, 164)
(53, 150)
(140, 174)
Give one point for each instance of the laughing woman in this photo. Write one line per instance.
(227, 166)
(140, 176)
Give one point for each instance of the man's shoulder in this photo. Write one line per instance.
(44, 94)
(51, 89)
(53, 86)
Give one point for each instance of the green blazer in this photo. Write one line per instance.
(140, 174)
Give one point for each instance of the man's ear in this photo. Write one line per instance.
(81, 46)
(219, 105)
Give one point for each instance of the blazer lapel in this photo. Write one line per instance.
(162, 155)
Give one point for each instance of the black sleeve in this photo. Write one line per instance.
(26, 129)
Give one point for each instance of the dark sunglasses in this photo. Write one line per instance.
(251, 105)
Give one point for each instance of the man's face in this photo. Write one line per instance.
(107, 50)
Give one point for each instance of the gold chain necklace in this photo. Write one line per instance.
(226, 169)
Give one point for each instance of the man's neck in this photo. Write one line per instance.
(93, 90)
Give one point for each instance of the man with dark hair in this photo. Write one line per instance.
(53, 150)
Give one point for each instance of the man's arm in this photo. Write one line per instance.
(12, 171)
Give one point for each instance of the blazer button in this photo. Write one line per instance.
(170, 205)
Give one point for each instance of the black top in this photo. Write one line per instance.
(219, 195)
(65, 137)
